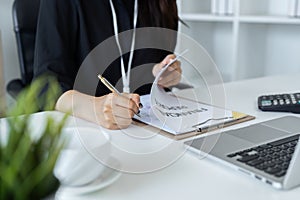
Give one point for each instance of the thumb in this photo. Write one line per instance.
(157, 68)
(134, 97)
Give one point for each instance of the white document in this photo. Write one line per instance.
(176, 115)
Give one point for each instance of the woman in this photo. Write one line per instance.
(68, 30)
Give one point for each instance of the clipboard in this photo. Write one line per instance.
(180, 118)
(238, 118)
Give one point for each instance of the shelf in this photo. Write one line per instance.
(269, 19)
(242, 19)
(260, 29)
(206, 17)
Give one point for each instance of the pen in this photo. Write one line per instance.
(108, 85)
(114, 90)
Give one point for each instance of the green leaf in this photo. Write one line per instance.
(26, 165)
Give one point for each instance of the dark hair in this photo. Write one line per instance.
(158, 13)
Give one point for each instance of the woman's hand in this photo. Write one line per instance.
(172, 75)
(111, 111)
(115, 111)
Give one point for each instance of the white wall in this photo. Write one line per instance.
(263, 48)
(10, 58)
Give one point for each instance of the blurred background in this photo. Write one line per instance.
(245, 38)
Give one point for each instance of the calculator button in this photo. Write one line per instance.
(281, 102)
(266, 103)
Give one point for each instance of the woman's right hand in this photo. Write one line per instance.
(116, 112)
(111, 111)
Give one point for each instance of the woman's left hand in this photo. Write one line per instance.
(172, 75)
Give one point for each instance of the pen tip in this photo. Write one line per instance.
(141, 105)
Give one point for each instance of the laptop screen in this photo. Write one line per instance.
(2, 86)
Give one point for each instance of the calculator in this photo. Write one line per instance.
(280, 102)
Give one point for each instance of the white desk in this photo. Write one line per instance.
(191, 178)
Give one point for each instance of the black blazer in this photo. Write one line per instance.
(68, 30)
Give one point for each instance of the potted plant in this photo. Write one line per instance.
(26, 163)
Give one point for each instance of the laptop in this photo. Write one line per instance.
(266, 151)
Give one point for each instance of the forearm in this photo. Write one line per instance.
(111, 111)
(78, 104)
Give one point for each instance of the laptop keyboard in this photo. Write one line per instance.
(273, 158)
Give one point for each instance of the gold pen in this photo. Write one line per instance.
(114, 90)
(108, 85)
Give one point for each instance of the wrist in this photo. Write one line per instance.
(63, 103)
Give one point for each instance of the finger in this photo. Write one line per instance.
(125, 113)
(108, 121)
(175, 66)
(114, 101)
(114, 126)
(176, 71)
(168, 72)
(157, 68)
(122, 126)
(116, 121)
(125, 102)
(113, 105)
(122, 123)
(169, 81)
(134, 97)
(107, 117)
(168, 59)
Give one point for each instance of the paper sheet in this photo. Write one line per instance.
(176, 115)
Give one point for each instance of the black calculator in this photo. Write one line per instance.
(280, 102)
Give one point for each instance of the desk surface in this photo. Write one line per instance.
(193, 178)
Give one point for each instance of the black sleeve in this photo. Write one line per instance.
(56, 42)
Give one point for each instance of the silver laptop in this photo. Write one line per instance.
(266, 151)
